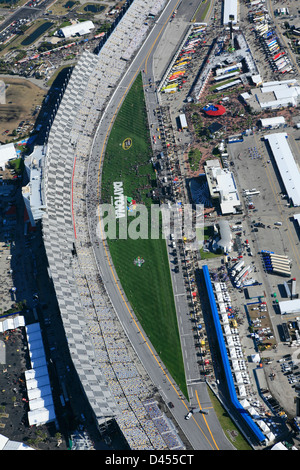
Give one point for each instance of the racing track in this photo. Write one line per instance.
(203, 432)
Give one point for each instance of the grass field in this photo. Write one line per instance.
(148, 288)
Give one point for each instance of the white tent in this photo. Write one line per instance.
(37, 382)
(232, 353)
(38, 344)
(279, 446)
(41, 402)
(227, 330)
(235, 365)
(32, 328)
(271, 436)
(242, 391)
(238, 378)
(217, 287)
(222, 308)
(245, 403)
(34, 373)
(255, 357)
(11, 323)
(252, 411)
(39, 392)
(3, 441)
(41, 416)
(225, 319)
(229, 341)
(263, 426)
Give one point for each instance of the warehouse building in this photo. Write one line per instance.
(286, 165)
(289, 307)
(230, 12)
(273, 95)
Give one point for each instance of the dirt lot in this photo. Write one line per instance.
(22, 97)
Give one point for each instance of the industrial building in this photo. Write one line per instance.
(286, 165)
(273, 95)
(289, 307)
(222, 186)
(77, 29)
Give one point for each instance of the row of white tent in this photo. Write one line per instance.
(40, 400)
(7, 444)
(233, 343)
(258, 419)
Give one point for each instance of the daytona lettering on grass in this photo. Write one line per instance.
(119, 200)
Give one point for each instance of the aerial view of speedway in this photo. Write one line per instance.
(149, 227)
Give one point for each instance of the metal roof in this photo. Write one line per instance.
(286, 165)
(230, 8)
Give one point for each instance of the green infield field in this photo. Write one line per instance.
(148, 287)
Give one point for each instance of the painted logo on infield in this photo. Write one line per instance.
(127, 143)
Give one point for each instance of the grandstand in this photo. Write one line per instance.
(111, 374)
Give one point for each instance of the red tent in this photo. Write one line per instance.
(215, 110)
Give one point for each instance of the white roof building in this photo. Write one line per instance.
(77, 29)
(286, 165)
(222, 185)
(7, 152)
(230, 8)
(273, 122)
(289, 306)
(274, 95)
(33, 194)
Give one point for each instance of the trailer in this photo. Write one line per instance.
(279, 54)
(294, 293)
(280, 263)
(241, 274)
(287, 289)
(281, 272)
(282, 66)
(183, 121)
(275, 255)
(237, 267)
(280, 266)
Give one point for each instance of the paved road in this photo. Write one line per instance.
(24, 12)
(202, 431)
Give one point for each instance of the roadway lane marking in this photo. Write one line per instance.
(197, 398)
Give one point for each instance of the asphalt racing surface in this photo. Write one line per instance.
(202, 430)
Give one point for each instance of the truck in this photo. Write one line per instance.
(237, 268)
(242, 274)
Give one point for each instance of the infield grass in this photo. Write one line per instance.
(148, 288)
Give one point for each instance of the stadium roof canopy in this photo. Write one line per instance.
(286, 165)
